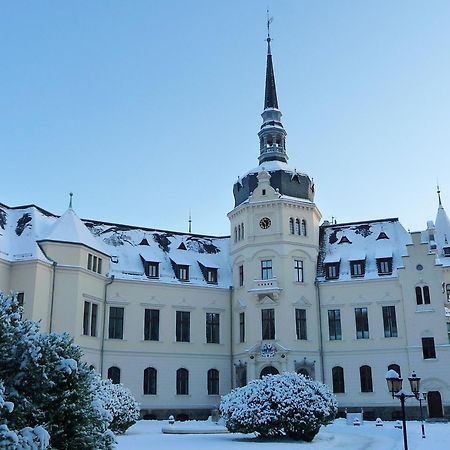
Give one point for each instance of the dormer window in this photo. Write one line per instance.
(183, 273)
(357, 268)
(344, 240)
(384, 266)
(151, 269)
(182, 246)
(446, 251)
(211, 275)
(332, 271)
(382, 235)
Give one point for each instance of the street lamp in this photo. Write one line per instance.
(394, 383)
(414, 380)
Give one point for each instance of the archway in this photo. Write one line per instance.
(304, 372)
(269, 370)
(434, 404)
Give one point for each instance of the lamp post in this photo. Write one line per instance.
(394, 383)
(414, 380)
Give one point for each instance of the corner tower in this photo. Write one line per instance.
(274, 248)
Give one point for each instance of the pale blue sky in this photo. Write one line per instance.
(146, 109)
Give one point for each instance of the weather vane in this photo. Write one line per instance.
(269, 21)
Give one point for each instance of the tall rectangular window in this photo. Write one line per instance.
(211, 275)
(151, 325)
(266, 269)
(362, 323)
(183, 326)
(268, 323)
(384, 266)
(86, 318)
(20, 298)
(242, 327)
(334, 324)
(90, 313)
(94, 314)
(241, 275)
(94, 263)
(115, 322)
(212, 328)
(428, 349)
(300, 323)
(389, 321)
(448, 331)
(298, 270)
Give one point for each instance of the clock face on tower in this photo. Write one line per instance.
(265, 223)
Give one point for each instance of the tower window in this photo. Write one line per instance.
(423, 295)
(298, 270)
(266, 269)
(241, 275)
(304, 227)
(300, 323)
(268, 323)
(428, 349)
(242, 327)
(297, 227)
(291, 226)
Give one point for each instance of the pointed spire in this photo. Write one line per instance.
(270, 99)
(439, 195)
(190, 222)
(70, 201)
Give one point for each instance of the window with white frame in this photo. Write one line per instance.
(298, 270)
(90, 315)
(266, 269)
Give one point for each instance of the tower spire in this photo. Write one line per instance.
(439, 195)
(272, 144)
(270, 99)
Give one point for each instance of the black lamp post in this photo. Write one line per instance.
(414, 380)
(394, 383)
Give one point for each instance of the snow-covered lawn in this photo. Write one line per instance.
(147, 435)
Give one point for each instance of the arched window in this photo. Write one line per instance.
(303, 372)
(150, 381)
(114, 374)
(304, 227)
(365, 375)
(182, 382)
(395, 367)
(242, 231)
(291, 226)
(235, 234)
(338, 380)
(269, 370)
(239, 232)
(297, 227)
(213, 382)
(423, 295)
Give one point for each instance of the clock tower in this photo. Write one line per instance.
(274, 248)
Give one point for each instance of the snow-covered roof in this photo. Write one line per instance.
(273, 166)
(366, 241)
(21, 228)
(71, 229)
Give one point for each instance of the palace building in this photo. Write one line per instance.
(182, 318)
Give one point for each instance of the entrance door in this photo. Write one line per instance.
(269, 370)
(434, 404)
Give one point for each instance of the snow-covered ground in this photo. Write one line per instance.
(147, 435)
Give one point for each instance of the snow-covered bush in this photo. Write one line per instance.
(288, 405)
(119, 403)
(45, 379)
